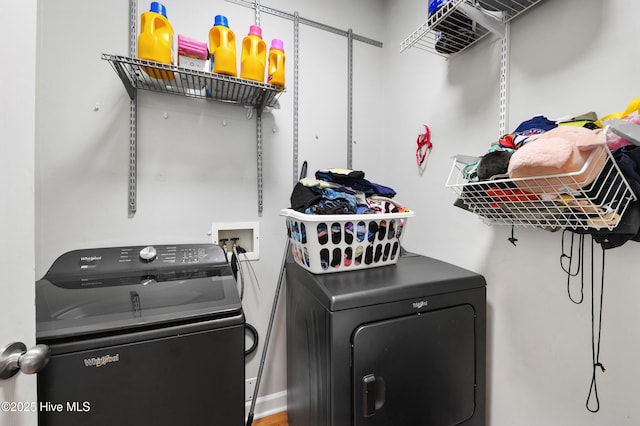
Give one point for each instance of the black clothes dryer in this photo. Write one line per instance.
(141, 336)
(399, 345)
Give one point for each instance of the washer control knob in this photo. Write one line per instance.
(148, 254)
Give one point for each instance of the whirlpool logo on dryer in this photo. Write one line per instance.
(101, 361)
(421, 304)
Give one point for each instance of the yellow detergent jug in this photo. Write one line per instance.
(222, 46)
(254, 55)
(155, 42)
(275, 73)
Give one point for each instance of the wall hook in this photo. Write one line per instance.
(512, 239)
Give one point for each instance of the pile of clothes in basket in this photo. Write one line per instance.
(342, 191)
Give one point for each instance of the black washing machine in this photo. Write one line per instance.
(141, 336)
(399, 345)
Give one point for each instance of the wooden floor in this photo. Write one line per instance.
(278, 419)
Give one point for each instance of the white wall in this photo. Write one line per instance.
(17, 146)
(567, 57)
(192, 170)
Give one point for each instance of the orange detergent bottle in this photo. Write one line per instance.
(275, 73)
(155, 42)
(254, 55)
(222, 45)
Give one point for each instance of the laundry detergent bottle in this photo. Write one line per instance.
(155, 42)
(222, 45)
(275, 73)
(254, 55)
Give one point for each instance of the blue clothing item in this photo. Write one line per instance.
(356, 183)
(333, 202)
(332, 194)
(534, 126)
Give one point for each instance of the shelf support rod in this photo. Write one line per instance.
(257, 6)
(308, 22)
(505, 48)
(350, 100)
(259, 109)
(259, 160)
(296, 79)
(133, 114)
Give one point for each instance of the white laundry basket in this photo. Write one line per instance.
(335, 243)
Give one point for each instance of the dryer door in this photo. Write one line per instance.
(415, 370)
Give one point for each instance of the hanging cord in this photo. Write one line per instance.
(235, 260)
(569, 256)
(595, 340)
(223, 244)
(236, 269)
(239, 254)
(596, 330)
(250, 266)
(579, 267)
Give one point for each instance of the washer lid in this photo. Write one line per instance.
(89, 292)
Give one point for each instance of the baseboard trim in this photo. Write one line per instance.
(267, 405)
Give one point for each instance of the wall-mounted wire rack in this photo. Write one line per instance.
(163, 78)
(590, 198)
(458, 24)
(171, 79)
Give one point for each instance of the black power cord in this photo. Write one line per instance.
(236, 268)
(235, 262)
(254, 334)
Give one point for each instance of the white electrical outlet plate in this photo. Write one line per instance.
(249, 387)
(246, 232)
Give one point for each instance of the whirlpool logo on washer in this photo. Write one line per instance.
(421, 304)
(90, 258)
(101, 361)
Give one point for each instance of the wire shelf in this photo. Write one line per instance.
(594, 197)
(171, 79)
(459, 24)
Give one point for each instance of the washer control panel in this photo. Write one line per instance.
(139, 260)
(148, 254)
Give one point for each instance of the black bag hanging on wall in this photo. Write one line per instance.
(627, 229)
(628, 160)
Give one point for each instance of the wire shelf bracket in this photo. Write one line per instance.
(140, 74)
(459, 24)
